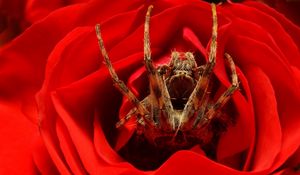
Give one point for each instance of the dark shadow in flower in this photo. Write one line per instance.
(145, 156)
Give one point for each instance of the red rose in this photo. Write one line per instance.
(292, 166)
(16, 15)
(36, 10)
(290, 8)
(59, 107)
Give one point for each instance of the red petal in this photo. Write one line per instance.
(268, 129)
(68, 149)
(36, 10)
(24, 59)
(292, 29)
(283, 81)
(17, 136)
(187, 162)
(81, 138)
(42, 159)
(278, 32)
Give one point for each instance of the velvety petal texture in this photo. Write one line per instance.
(59, 108)
(17, 15)
(287, 8)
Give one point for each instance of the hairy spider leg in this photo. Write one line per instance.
(159, 94)
(123, 120)
(119, 84)
(223, 99)
(198, 96)
(133, 112)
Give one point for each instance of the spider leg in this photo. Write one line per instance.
(119, 83)
(123, 120)
(199, 71)
(197, 97)
(158, 89)
(198, 114)
(147, 51)
(164, 70)
(223, 99)
(134, 112)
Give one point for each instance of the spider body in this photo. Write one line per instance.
(176, 114)
(182, 78)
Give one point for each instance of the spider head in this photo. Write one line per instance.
(181, 81)
(183, 63)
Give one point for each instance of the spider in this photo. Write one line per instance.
(176, 113)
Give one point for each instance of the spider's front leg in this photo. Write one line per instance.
(223, 99)
(140, 108)
(159, 95)
(198, 97)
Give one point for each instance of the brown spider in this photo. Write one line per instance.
(176, 113)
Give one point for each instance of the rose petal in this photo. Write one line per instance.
(42, 158)
(240, 137)
(51, 144)
(189, 35)
(252, 30)
(36, 10)
(67, 94)
(288, 98)
(63, 67)
(280, 14)
(268, 139)
(232, 143)
(68, 149)
(81, 139)
(290, 123)
(102, 146)
(24, 59)
(284, 40)
(187, 162)
(17, 137)
(47, 115)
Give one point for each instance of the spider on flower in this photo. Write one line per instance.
(177, 113)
